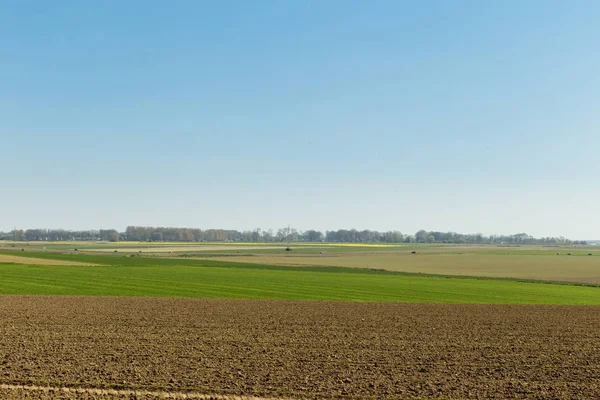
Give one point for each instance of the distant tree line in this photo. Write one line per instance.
(61, 235)
(169, 234)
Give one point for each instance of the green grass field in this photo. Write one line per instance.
(167, 277)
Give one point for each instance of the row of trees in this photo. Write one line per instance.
(160, 234)
(519, 238)
(169, 234)
(61, 235)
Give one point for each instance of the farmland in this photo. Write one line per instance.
(219, 278)
(526, 262)
(512, 265)
(227, 321)
(299, 349)
(17, 259)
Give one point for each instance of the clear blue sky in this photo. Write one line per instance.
(470, 116)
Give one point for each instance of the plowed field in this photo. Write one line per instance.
(548, 267)
(299, 349)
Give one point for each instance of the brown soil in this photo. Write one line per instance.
(10, 392)
(295, 349)
(8, 258)
(570, 269)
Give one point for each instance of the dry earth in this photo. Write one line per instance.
(8, 258)
(17, 392)
(294, 349)
(547, 267)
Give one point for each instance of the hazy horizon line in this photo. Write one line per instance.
(298, 230)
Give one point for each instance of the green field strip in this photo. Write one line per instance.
(252, 283)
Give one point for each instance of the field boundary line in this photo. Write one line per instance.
(141, 392)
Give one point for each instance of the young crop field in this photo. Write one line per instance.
(167, 277)
(527, 262)
(171, 348)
